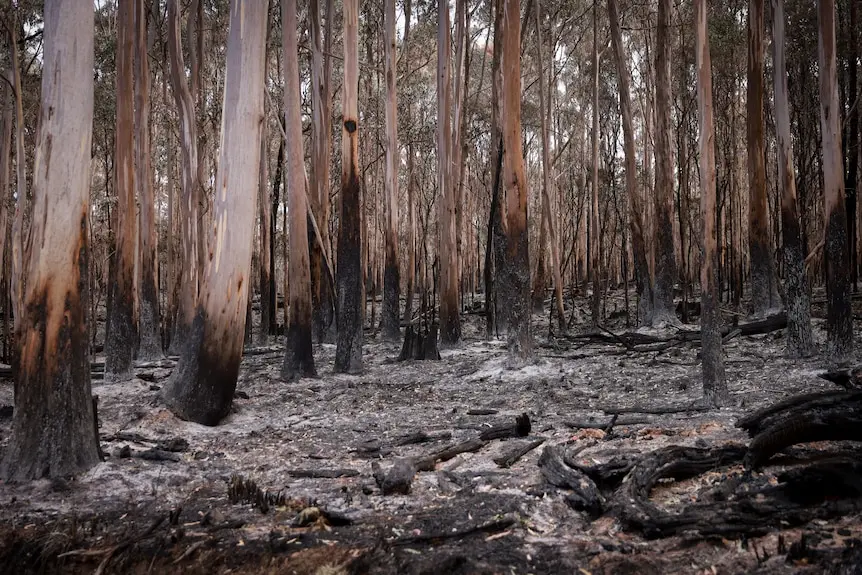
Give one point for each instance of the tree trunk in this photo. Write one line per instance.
(391, 320)
(839, 318)
(267, 310)
(53, 432)
(411, 185)
(763, 288)
(517, 245)
(189, 216)
(800, 341)
(299, 356)
(122, 314)
(450, 318)
(595, 237)
(348, 351)
(150, 344)
(665, 262)
(18, 279)
(852, 140)
(641, 265)
(202, 385)
(321, 129)
(714, 382)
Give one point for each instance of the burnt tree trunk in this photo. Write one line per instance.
(839, 318)
(189, 207)
(764, 295)
(517, 266)
(665, 261)
(643, 281)
(122, 313)
(202, 385)
(348, 351)
(150, 343)
(800, 341)
(52, 429)
(299, 355)
(714, 381)
(391, 320)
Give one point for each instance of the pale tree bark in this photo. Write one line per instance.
(7, 113)
(348, 350)
(391, 320)
(299, 356)
(456, 155)
(498, 291)
(321, 129)
(547, 181)
(122, 338)
(202, 385)
(665, 261)
(411, 185)
(189, 215)
(196, 55)
(53, 431)
(150, 343)
(450, 317)
(714, 381)
(800, 341)
(267, 285)
(636, 204)
(520, 338)
(839, 318)
(764, 293)
(595, 227)
(18, 278)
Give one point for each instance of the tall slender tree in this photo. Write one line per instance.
(122, 339)
(53, 431)
(636, 206)
(299, 356)
(348, 351)
(714, 381)
(517, 246)
(411, 202)
(800, 341)
(595, 227)
(150, 343)
(189, 217)
(763, 288)
(202, 385)
(450, 318)
(839, 319)
(392, 269)
(665, 260)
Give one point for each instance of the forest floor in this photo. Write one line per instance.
(160, 502)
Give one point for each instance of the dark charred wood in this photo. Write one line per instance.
(846, 378)
(520, 428)
(96, 427)
(322, 473)
(489, 527)
(397, 479)
(428, 462)
(510, 456)
(419, 344)
(657, 409)
(482, 411)
(608, 475)
(421, 437)
(764, 418)
(583, 495)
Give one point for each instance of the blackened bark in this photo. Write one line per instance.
(852, 139)
(348, 352)
(276, 199)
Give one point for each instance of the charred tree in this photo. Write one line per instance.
(52, 430)
(517, 265)
(150, 342)
(189, 211)
(851, 140)
(839, 317)
(122, 341)
(391, 320)
(299, 355)
(348, 351)
(595, 237)
(323, 298)
(800, 341)
(202, 385)
(643, 280)
(714, 381)
(411, 184)
(450, 319)
(764, 295)
(665, 260)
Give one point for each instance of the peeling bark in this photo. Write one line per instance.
(391, 320)
(202, 385)
(52, 431)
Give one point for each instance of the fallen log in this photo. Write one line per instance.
(583, 495)
(510, 456)
(428, 462)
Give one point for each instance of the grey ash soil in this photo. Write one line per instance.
(173, 514)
